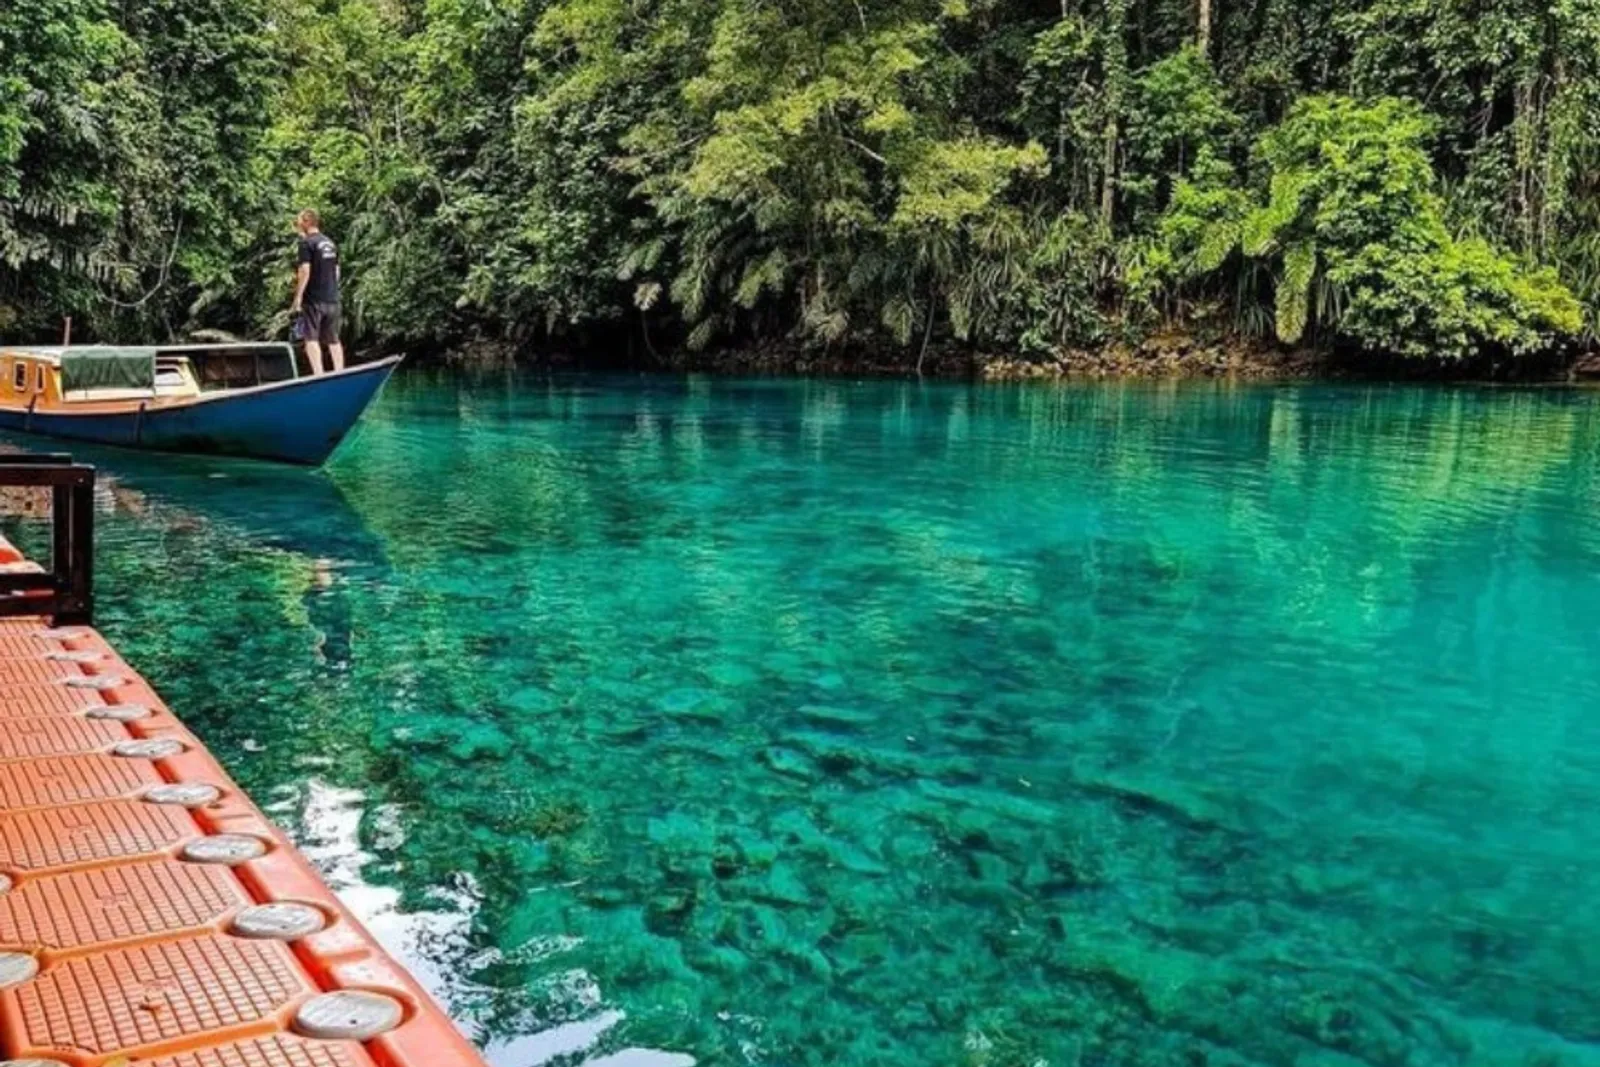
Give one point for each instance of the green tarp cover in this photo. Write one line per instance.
(108, 368)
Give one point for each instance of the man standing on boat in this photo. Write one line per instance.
(316, 293)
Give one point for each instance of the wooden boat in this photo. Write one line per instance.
(241, 400)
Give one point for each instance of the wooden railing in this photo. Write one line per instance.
(64, 592)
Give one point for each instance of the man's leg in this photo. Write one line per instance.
(332, 321)
(314, 354)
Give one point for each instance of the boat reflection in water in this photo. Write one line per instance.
(263, 504)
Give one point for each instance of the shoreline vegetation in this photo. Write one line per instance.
(1402, 186)
(1168, 356)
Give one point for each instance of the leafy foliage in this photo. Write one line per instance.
(128, 138)
(1400, 176)
(1350, 201)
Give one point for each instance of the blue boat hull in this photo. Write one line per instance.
(301, 421)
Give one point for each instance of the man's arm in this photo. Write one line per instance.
(302, 278)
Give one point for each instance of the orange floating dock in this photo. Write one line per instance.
(150, 914)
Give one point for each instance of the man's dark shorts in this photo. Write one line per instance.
(320, 323)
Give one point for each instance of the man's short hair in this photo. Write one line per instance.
(311, 218)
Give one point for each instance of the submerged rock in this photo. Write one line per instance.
(782, 885)
(787, 761)
(837, 717)
(1167, 799)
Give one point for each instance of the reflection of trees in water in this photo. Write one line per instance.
(511, 743)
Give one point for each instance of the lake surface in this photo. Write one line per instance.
(832, 723)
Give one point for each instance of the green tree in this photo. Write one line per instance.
(1356, 234)
(1408, 176)
(127, 136)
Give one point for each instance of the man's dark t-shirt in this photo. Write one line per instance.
(323, 255)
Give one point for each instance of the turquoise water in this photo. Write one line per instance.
(833, 723)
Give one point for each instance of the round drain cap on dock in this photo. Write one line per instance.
(119, 712)
(153, 748)
(227, 849)
(63, 633)
(184, 794)
(16, 968)
(5, 883)
(98, 682)
(348, 1015)
(74, 657)
(279, 922)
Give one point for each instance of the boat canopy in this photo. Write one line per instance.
(107, 368)
(90, 368)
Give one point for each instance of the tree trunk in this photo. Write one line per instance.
(1203, 37)
(1116, 64)
(1108, 167)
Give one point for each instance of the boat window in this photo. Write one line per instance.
(20, 382)
(39, 382)
(169, 372)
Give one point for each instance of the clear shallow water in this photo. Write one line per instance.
(826, 723)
